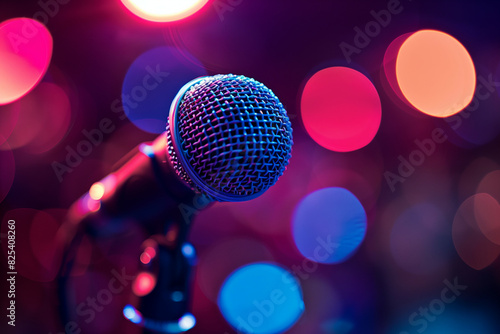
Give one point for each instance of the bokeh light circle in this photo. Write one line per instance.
(329, 225)
(151, 83)
(164, 10)
(25, 53)
(261, 298)
(435, 73)
(341, 109)
(487, 214)
(470, 181)
(472, 246)
(44, 119)
(97, 191)
(144, 283)
(490, 184)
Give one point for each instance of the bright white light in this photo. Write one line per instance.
(97, 191)
(187, 322)
(164, 10)
(128, 312)
(131, 314)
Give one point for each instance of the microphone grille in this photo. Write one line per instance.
(229, 137)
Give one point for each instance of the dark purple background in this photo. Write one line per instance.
(280, 43)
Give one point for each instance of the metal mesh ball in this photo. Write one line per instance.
(231, 137)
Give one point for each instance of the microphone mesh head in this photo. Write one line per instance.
(229, 137)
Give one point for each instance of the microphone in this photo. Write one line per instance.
(228, 138)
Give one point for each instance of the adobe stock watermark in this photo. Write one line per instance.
(265, 309)
(50, 8)
(484, 90)
(29, 30)
(188, 211)
(427, 147)
(407, 166)
(364, 36)
(88, 309)
(224, 6)
(95, 137)
(425, 315)
(324, 249)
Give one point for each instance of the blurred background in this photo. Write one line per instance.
(397, 182)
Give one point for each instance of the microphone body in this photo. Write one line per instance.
(144, 189)
(228, 138)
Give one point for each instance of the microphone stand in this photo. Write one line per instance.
(146, 190)
(170, 266)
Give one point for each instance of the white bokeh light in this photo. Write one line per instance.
(164, 10)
